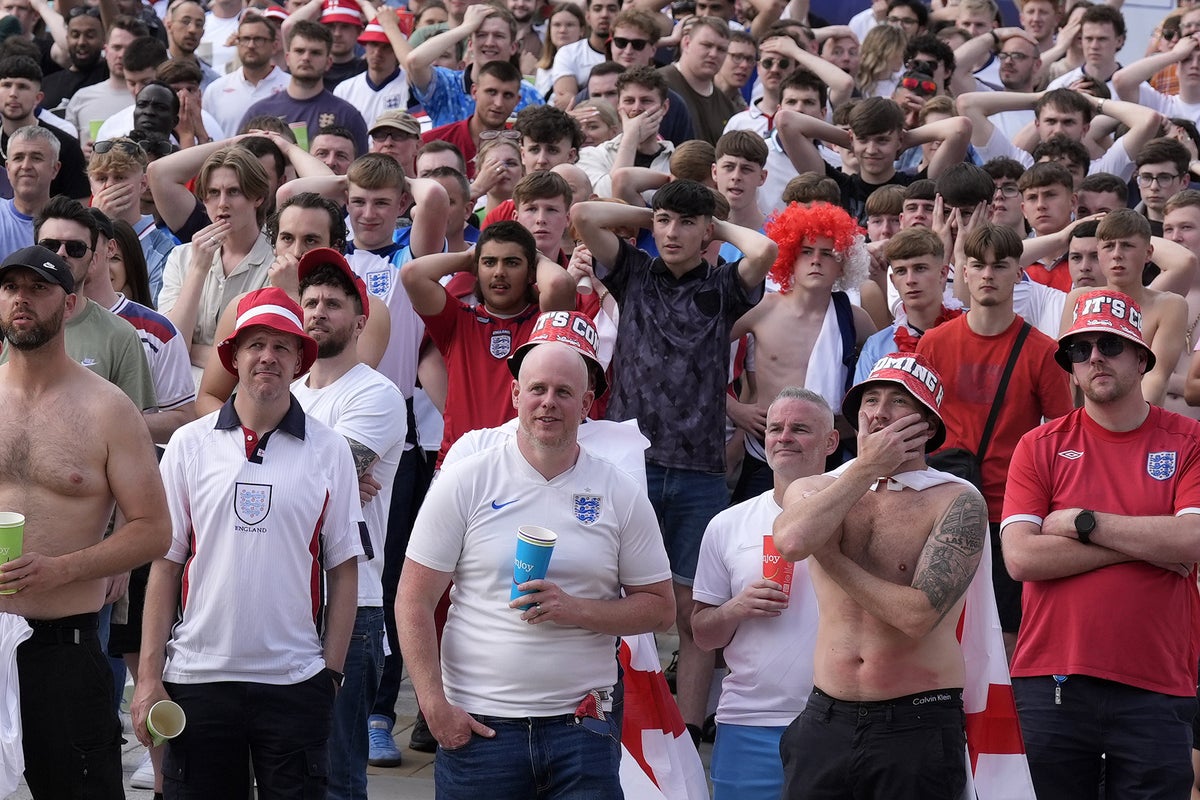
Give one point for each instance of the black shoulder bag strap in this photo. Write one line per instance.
(984, 440)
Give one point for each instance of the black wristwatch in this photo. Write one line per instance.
(337, 677)
(1085, 525)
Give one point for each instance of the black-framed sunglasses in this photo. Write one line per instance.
(921, 65)
(620, 42)
(769, 63)
(1109, 346)
(83, 11)
(75, 248)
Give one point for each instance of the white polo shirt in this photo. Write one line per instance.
(493, 662)
(228, 97)
(365, 406)
(255, 535)
(770, 659)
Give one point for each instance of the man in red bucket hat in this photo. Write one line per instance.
(264, 565)
(894, 546)
(1102, 523)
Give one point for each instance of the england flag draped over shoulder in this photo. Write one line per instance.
(995, 750)
(658, 759)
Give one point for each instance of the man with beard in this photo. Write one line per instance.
(85, 39)
(83, 449)
(185, 28)
(496, 92)
(360, 404)
(256, 79)
(1100, 524)
(306, 105)
(255, 656)
(98, 102)
(20, 93)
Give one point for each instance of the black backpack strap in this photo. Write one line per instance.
(845, 321)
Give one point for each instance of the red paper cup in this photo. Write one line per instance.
(776, 567)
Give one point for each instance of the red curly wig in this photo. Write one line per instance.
(797, 224)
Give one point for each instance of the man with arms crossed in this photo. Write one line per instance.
(1102, 523)
(87, 455)
(893, 547)
(520, 701)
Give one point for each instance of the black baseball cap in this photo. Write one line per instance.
(44, 262)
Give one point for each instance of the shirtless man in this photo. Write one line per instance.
(64, 464)
(817, 261)
(1124, 240)
(889, 567)
(1181, 225)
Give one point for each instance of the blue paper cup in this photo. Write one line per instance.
(534, 546)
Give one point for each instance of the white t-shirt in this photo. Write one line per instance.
(770, 659)
(370, 100)
(622, 443)
(382, 277)
(121, 123)
(576, 59)
(248, 533)
(217, 31)
(1065, 80)
(228, 97)
(493, 662)
(1167, 104)
(365, 406)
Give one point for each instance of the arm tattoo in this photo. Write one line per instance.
(951, 555)
(364, 456)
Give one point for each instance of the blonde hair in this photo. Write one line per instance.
(879, 48)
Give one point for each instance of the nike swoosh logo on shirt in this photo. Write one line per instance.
(499, 506)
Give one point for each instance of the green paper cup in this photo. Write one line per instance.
(300, 131)
(166, 720)
(12, 534)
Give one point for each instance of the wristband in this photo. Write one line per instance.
(995, 42)
(337, 677)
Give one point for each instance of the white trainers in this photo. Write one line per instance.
(143, 776)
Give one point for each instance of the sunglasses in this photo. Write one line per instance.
(75, 248)
(1109, 346)
(769, 64)
(620, 42)
(80, 11)
(921, 65)
(156, 148)
(919, 86)
(392, 135)
(507, 133)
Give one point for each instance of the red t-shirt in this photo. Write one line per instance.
(476, 347)
(1132, 623)
(1056, 276)
(458, 134)
(971, 366)
(505, 211)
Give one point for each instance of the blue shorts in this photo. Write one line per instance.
(685, 501)
(746, 763)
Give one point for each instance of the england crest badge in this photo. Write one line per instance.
(501, 344)
(587, 508)
(1160, 466)
(379, 282)
(252, 502)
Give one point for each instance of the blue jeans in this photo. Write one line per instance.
(685, 501)
(348, 740)
(1145, 738)
(544, 758)
(746, 763)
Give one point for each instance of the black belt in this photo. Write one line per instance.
(66, 630)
